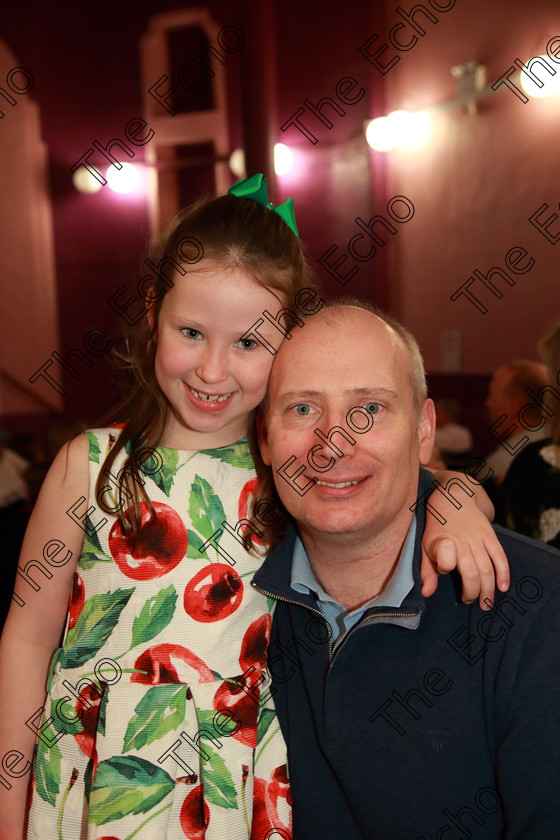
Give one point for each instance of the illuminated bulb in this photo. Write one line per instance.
(378, 135)
(85, 182)
(123, 180)
(400, 129)
(283, 159)
(400, 124)
(417, 132)
(551, 84)
(237, 163)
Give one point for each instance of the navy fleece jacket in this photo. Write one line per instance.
(433, 720)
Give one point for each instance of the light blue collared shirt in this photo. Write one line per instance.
(303, 580)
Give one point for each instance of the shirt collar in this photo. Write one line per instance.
(401, 582)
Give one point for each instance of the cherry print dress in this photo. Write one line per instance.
(159, 722)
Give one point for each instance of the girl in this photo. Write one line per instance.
(158, 721)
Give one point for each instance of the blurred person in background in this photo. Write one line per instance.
(450, 436)
(14, 517)
(506, 397)
(529, 498)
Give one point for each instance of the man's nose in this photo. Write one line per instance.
(336, 437)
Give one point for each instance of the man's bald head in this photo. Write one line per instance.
(346, 402)
(343, 313)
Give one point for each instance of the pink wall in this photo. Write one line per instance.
(473, 188)
(477, 183)
(333, 180)
(85, 60)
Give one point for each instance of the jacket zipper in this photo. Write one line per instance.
(391, 614)
(371, 620)
(299, 604)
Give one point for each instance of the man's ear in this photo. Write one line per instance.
(426, 431)
(262, 436)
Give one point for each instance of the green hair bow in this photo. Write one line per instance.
(255, 188)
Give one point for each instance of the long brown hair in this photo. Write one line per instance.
(236, 233)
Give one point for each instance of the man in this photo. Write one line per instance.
(406, 718)
(506, 397)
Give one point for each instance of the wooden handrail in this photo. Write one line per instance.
(23, 386)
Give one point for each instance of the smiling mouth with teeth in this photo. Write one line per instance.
(339, 484)
(210, 397)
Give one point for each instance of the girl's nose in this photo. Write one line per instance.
(212, 367)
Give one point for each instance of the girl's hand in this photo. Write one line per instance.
(466, 542)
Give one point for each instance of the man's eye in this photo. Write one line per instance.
(302, 409)
(190, 332)
(247, 343)
(372, 407)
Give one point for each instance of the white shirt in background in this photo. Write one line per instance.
(12, 484)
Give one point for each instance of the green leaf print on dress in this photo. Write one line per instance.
(47, 767)
(160, 710)
(266, 717)
(163, 472)
(156, 614)
(218, 782)
(91, 549)
(238, 455)
(194, 549)
(205, 508)
(126, 785)
(93, 627)
(65, 718)
(94, 448)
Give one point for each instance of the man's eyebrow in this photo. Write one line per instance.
(373, 391)
(292, 395)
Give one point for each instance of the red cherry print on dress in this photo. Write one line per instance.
(265, 800)
(245, 506)
(213, 593)
(244, 707)
(261, 824)
(77, 599)
(88, 707)
(159, 546)
(161, 662)
(278, 789)
(255, 644)
(195, 815)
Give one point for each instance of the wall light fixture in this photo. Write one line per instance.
(411, 130)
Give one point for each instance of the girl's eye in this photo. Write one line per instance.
(372, 407)
(190, 332)
(247, 343)
(302, 409)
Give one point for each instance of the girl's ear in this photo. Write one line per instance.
(262, 436)
(151, 316)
